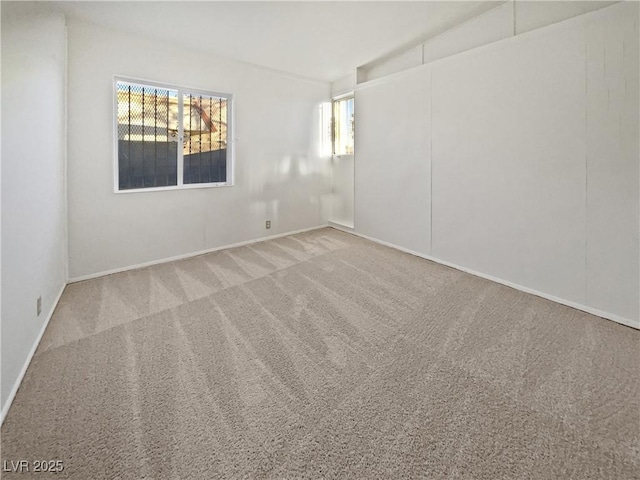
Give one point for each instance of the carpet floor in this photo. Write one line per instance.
(323, 355)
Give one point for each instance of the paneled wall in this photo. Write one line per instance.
(393, 162)
(517, 160)
(508, 19)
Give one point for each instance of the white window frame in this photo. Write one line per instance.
(344, 96)
(180, 160)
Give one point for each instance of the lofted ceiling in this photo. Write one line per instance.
(320, 40)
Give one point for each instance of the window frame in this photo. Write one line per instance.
(334, 100)
(182, 90)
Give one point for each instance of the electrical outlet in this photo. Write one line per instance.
(268, 224)
(39, 305)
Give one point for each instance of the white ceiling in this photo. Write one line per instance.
(320, 40)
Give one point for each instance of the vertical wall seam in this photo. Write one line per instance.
(355, 147)
(65, 160)
(586, 162)
(430, 160)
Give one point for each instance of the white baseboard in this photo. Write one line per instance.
(341, 226)
(191, 254)
(23, 371)
(599, 313)
(584, 308)
(14, 390)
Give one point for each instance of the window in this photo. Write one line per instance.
(169, 137)
(343, 126)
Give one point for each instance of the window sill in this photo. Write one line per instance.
(190, 186)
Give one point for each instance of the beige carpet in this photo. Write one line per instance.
(322, 355)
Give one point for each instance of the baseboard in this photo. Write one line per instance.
(14, 390)
(340, 226)
(191, 254)
(16, 386)
(578, 306)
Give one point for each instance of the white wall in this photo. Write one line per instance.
(612, 161)
(511, 18)
(343, 197)
(533, 161)
(410, 58)
(280, 174)
(530, 15)
(489, 27)
(343, 85)
(509, 149)
(33, 200)
(393, 141)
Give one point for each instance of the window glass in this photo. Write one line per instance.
(205, 139)
(152, 121)
(343, 126)
(147, 136)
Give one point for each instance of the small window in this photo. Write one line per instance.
(169, 137)
(343, 126)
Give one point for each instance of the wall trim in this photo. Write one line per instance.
(424, 39)
(400, 51)
(90, 276)
(25, 367)
(575, 21)
(23, 371)
(341, 226)
(568, 303)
